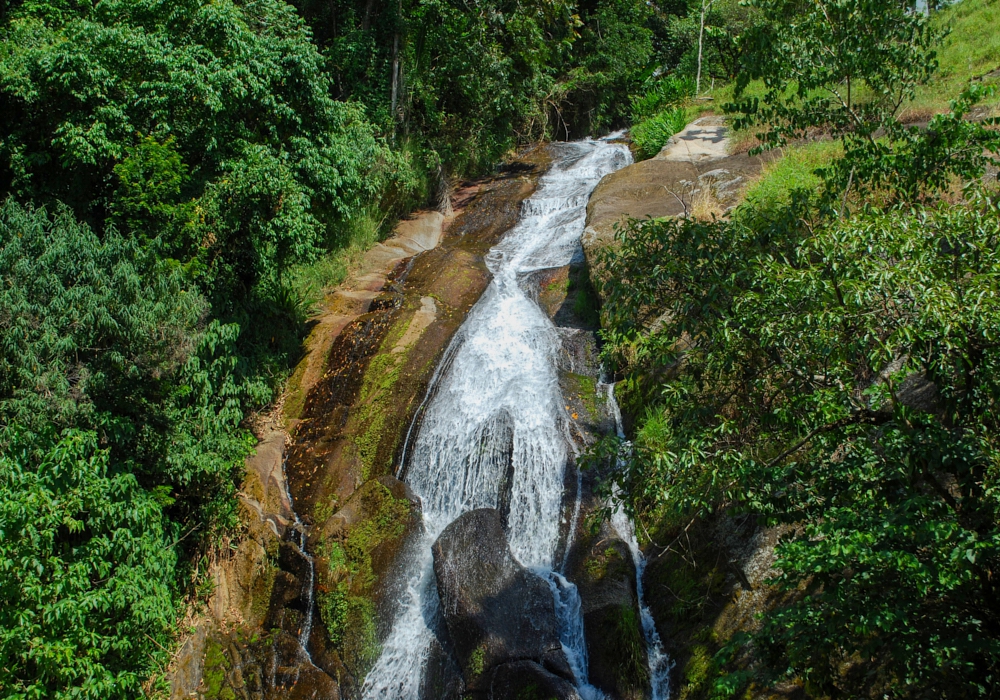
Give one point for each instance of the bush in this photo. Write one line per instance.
(86, 568)
(208, 127)
(120, 412)
(650, 135)
(659, 94)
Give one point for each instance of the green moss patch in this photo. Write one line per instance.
(628, 647)
(584, 389)
(214, 675)
(348, 581)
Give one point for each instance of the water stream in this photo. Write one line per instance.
(493, 430)
(659, 663)
(297, 536)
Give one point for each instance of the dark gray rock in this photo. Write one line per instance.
(442, 676)
(496, 611)
(526, 680)
(601, 567)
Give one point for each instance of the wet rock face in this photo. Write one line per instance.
(496, 611)
(526, 680)
(604, 573)
(239, 665)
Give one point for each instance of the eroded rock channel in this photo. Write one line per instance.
(433, 540)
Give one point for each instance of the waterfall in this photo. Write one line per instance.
(495, 421)
(297, 536)
(659, 663)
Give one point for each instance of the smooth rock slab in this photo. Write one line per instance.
(496, 611)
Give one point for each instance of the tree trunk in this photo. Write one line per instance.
(395, 72)
(701, 39)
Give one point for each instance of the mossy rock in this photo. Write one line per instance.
(604, 573)
(216, 666)
(355, 548)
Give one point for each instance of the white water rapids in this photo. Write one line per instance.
(495, 402)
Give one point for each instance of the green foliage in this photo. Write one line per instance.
(119, 423)
(793, 404)
(469, 81)
(86, 570)
(658, 113)
(847, 66)
(970, 52)
(614, 53)
(659, 94)
(309, 280)
(98, 335)
(651, 135)
(631, 670)
(206, 126)
(795, 170)
(723, 53)
(832, 366)
(912, 164)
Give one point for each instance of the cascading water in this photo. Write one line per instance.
(297, 537)
(659, 663)
(493, 431)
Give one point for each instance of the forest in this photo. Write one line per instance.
(180, 181)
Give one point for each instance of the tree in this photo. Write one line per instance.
(120, 412)
(834, 376)
(86, 570)
(830, 365)
(846, 66)
(209, 127)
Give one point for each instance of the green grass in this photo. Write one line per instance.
(795, 169)
(309, 280)
(970, 51)
(650, 135)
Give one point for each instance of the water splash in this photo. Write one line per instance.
(571, 635)
(492, 432)
(660, 664)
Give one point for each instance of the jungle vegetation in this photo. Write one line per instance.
(177, 178)
(824, 361)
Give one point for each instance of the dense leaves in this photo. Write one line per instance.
(469, 80)
(120, 408)
(829, 364)
(209, 126)
(844, 65)
(842, 378)
(85, 574)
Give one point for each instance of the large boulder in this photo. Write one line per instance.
(496, 611)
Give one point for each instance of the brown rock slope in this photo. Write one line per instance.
(345, 414)
(693, 175)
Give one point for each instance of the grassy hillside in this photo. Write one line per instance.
(971, 51)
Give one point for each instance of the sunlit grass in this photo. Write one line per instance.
(795, 169)
(310, 280)
(969, 52)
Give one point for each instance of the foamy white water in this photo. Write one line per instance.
(495, 416)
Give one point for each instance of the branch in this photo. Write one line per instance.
(864, 417)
